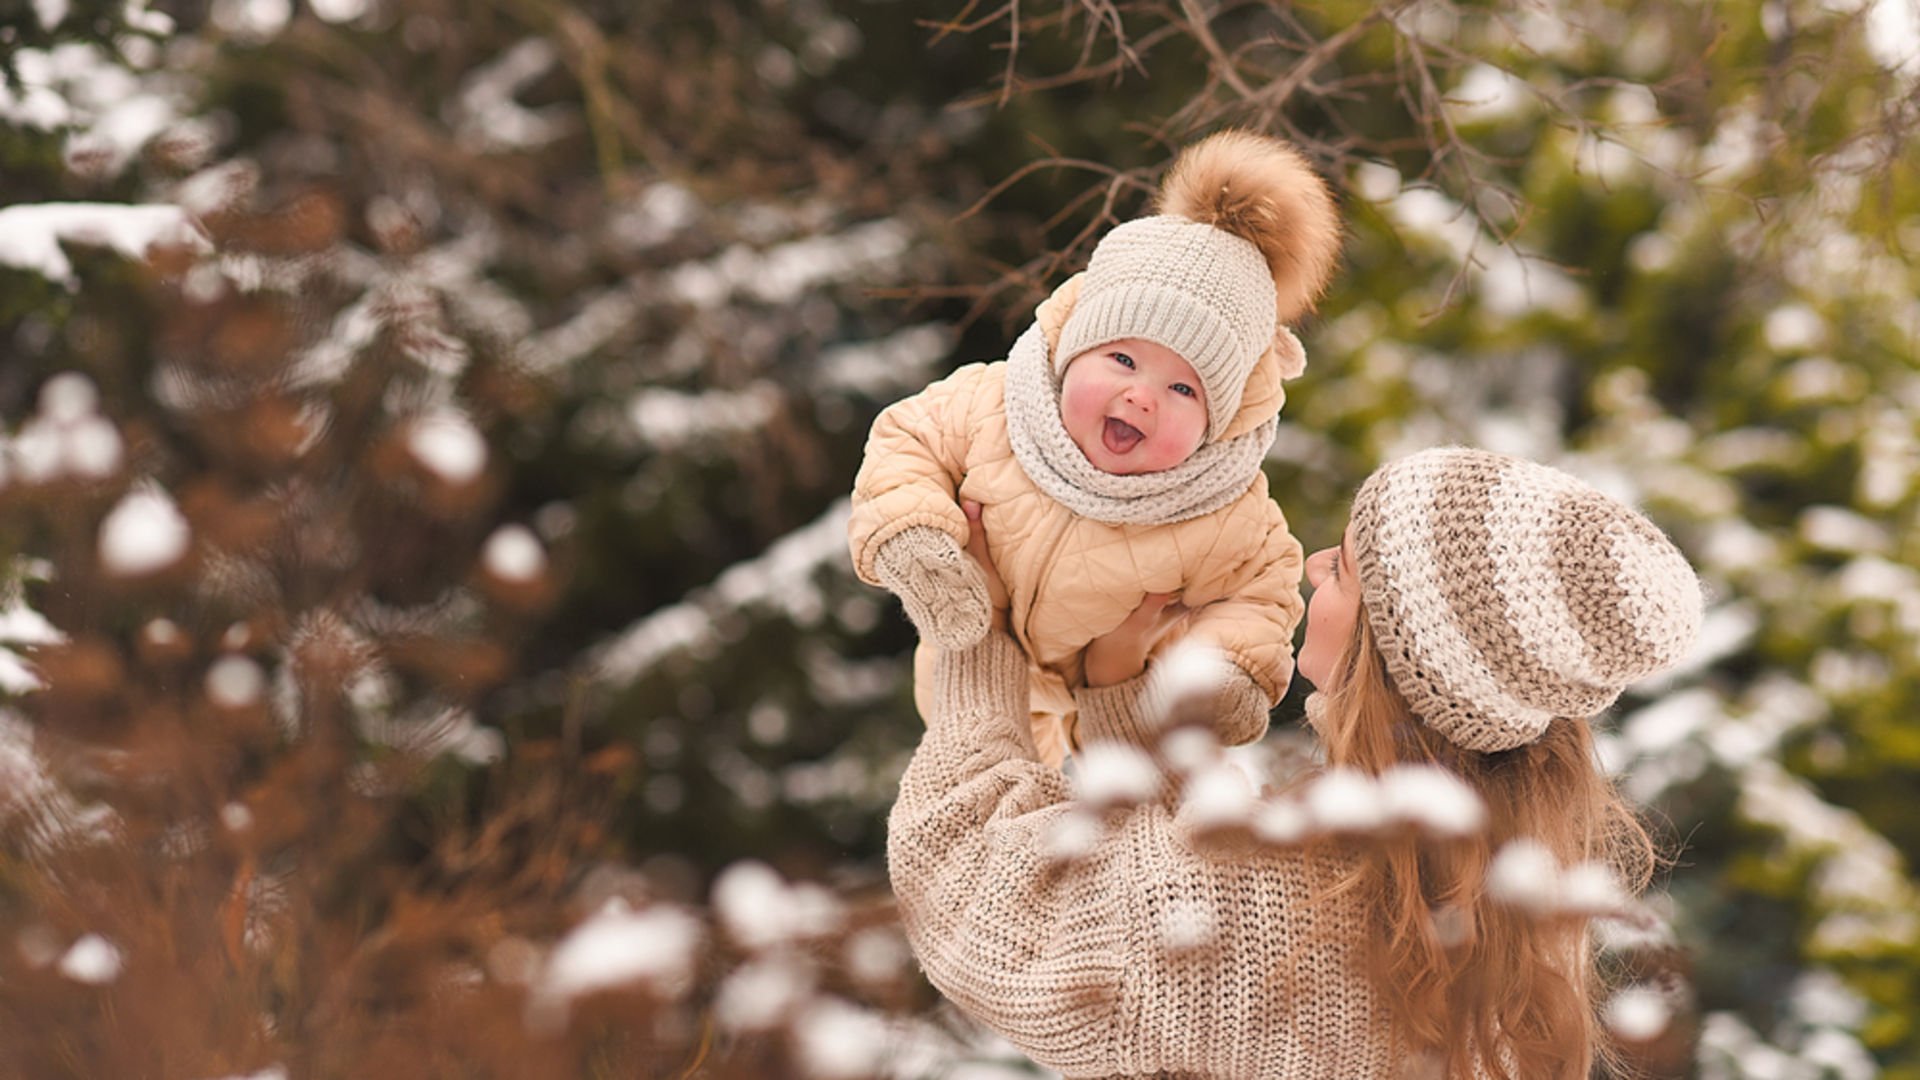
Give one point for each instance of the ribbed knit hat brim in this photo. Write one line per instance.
(1503, 593)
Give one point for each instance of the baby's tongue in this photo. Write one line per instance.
(1120, 436)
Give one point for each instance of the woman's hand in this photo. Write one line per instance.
(1121, 653)
(976, 546)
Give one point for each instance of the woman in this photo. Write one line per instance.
(1478, 609)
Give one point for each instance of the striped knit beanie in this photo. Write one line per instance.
(1504, 593)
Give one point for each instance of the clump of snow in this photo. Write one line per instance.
(235, 682)
(760, 910)
(488, 116)
(1187, 924)
(883, 370)
(1345, 800)
(1375, 181)
(1836, 528)
(1217, 796)
(31, 234)
(1432, 798)
(93, 960)
(784, 273)
(1191, 669)
(1189, 749)
(252, 22)
(1072, 835)
(669, 420)
(1282, 821)
(143, 534)
(66, 438)
(1488, 94)
(839, 1041)
(1638, 1013)
(514, 554)
(780, 579)
(1115, 774)
(339, 11)
(1793, 328)
(236, 817)
(761, 994)
(877, 956)
(447, 443)
(656, 947)
(1526, 875)
(1590, 888)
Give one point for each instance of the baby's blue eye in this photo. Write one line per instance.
(1183, 388)
(1125, 360)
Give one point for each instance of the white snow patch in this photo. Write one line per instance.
(779, 579)
(1432, 798)
(1074, 834)
(339, 11)
(1794, 328)
(617, 946)
(760, 910)
(1217, 796)
(1282, 821)
(1115, 774)
(514, 554)
(488, 116)
(761, 994)
(235, 682)
(784, 273)
(668, 419)
(1345, 800)
(447, 443)
(840, 1041)
(1526, 875)
(1638, 1014)
(143, 534)
(1187, 924)
(252, 22)
(31, 233)
(93, 960)
(1486, 94)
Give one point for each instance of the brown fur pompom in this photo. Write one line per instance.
(1261, 190)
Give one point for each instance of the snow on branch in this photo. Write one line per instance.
(31, 233)
(779, 579)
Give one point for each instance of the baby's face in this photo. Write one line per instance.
(1133, 407)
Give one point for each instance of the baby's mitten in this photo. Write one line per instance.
(944, 592)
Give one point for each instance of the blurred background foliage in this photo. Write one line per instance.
(501, 367)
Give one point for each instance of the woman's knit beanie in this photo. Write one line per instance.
(1244, 242)
(1503, 593)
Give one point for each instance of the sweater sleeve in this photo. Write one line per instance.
(1027, 946)
(910, 473)
(1129, 711)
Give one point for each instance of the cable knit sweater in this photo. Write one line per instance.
(1072, 962)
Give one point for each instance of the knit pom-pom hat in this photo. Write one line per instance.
(1503, 593)
(1244, 241)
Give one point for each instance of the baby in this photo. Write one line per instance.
(1117, 451)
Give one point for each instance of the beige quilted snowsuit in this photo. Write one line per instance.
(1071, 579)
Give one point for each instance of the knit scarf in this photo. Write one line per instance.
(1212, 477)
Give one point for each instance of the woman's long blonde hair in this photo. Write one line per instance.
(1480, 986)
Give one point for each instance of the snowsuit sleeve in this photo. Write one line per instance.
(915, 458)
(1260, 605)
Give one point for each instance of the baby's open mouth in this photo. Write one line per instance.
(1120, 436)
